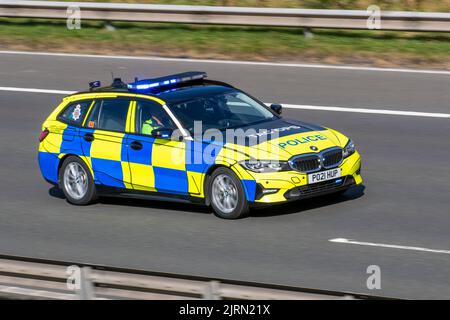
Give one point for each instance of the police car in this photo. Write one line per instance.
(187, 138)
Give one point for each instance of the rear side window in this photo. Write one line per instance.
(109, 115)
(75, 112)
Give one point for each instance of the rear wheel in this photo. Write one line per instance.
(76, 181)
(227, 195)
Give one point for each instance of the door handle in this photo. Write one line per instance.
(136, 145)
(89, 137)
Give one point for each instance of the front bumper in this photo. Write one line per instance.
(291, 185)
(321, 188)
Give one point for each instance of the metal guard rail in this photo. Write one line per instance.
(31, 278)
(275, 17)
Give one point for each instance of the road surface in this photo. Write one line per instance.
(405, 202)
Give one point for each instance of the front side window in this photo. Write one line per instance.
(151, 116)
(221, 111)
(109, 114)
(75, 112)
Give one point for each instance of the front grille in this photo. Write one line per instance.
(307, 163)
(327, 159)
(332, 158)
(320, 188)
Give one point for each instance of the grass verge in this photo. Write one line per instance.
(375, 48)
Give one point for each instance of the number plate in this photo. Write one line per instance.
(324, 175)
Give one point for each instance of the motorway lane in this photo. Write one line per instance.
(405, 201)
(327, 87)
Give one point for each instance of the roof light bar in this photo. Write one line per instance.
(170, 80)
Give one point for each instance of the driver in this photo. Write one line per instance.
(151, 124)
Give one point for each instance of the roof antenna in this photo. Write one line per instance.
(117, 82)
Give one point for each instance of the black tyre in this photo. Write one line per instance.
(227, 195)
(76, 181)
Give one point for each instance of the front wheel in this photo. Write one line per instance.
(227, 195)
(76, 181)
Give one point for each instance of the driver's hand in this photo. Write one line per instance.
(158, 121)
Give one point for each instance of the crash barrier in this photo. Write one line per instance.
(274, 17)
(30, 278)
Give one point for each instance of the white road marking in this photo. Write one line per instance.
(287, 106)
(237, 62)
(32, 90)
(391, 246)
(367, 110)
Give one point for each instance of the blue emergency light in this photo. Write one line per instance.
(171, 80)
(94, 84)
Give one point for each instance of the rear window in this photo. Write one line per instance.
(75, 112)
(109, 115)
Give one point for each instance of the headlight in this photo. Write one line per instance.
(349, 149)
(265, 165)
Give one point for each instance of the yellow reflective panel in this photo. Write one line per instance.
(107, 145)
(143, 96)
(88, 112)
(57, 110)
(52, 143)
(88, 162)
(195, 182)
(143, 176)
(169, 154)
(130, 126)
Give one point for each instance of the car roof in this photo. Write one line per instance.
(173, 95)
(191, 92)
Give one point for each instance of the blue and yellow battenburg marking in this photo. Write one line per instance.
(180, 167)
(162, 165)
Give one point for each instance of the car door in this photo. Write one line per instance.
(103, 142)
(156, 164)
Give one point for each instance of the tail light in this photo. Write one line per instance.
(43, 135)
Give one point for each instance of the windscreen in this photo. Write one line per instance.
(221, 111)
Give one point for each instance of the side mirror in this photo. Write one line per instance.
(276, 107)
(162, 133)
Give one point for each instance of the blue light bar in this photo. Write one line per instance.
(171, 80)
